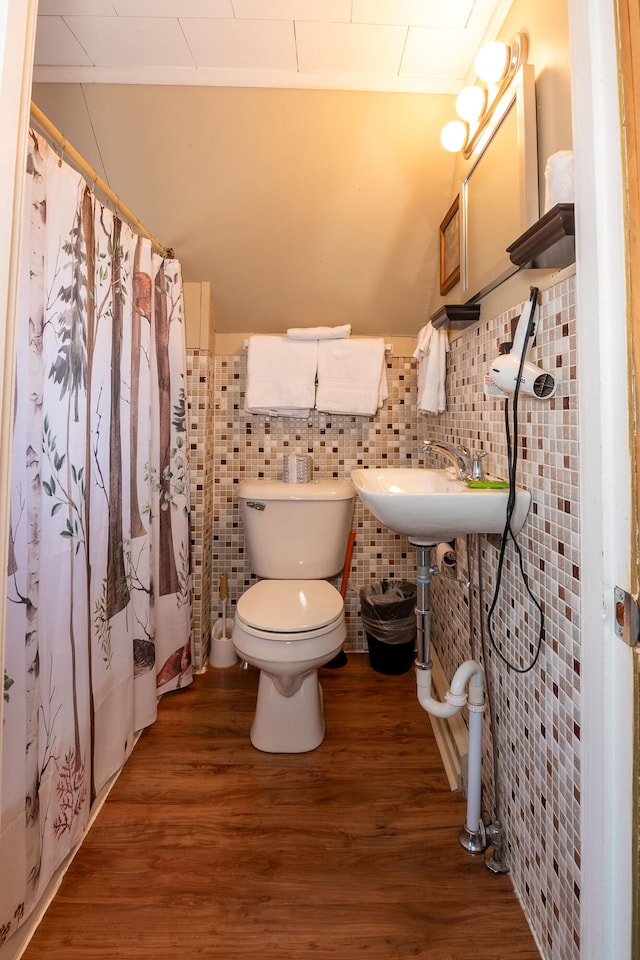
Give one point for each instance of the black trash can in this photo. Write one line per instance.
(389, 619)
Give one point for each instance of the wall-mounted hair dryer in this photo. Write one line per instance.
(506, 368)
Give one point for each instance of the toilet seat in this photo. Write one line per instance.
(288, 629)
(290, 609)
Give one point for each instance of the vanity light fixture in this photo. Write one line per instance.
(454, 136)
(496, 64)
(492, 61)
(471, 103)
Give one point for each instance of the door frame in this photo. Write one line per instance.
(607, 489)
(628, 24)
(17, 39)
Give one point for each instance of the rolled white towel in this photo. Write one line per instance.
(558, 175)
(319, 333)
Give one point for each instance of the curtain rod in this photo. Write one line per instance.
(52, 132)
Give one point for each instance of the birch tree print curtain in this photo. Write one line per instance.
(98, 620)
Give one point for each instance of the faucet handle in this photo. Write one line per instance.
(477, 469)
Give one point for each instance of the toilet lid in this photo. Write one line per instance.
(290, 606)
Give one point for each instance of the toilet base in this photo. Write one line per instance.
(292, 724)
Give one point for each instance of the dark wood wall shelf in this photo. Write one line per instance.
(455, 316)
(548, 244)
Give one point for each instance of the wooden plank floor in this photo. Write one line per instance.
(208, 848)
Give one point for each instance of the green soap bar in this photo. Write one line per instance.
(488, 484)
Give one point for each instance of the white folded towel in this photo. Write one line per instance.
(352, 376)
(281, 376)
(319, 333)
(431, 354)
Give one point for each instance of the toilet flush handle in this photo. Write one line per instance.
(256, 504)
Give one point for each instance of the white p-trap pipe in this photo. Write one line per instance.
(468, 674)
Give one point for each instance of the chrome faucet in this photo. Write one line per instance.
(459, 455)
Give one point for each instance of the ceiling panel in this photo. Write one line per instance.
(361, 47)
(56, 44)
(447, 53)
(417, 13)
(212, 9)
(331, 10)
(68, 8)
(246, 44)
(423, 46)
(118, 41)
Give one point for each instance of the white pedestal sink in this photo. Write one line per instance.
(429, 506)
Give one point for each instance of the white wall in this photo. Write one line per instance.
(17, 37)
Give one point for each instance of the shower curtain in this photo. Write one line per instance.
(98, 620)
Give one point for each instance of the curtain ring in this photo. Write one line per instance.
(62, 148)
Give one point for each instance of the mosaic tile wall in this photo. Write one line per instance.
(253, 446)
(536, 714)
(199, 389)
(537, 718)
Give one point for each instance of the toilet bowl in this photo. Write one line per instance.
(288, 629)
(292, 620)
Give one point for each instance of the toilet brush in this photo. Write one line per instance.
(223, 596)
(340, 659)
(223, 652)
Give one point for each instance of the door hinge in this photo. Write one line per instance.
(626, 617)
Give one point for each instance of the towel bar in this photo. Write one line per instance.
(388, 348)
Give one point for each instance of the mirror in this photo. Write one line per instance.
(499, 191)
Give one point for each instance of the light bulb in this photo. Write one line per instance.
(454, 136)
(491, 61)
(470, 103)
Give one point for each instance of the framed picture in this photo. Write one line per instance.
(450, 247)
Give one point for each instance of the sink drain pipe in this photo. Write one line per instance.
(469, 674)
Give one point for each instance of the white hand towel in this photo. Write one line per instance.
(281, 376)
(431, 354)
(319, 333)
(351, 376)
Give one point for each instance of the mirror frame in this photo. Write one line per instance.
(519, 101)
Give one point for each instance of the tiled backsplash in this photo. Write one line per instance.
(537, 714)
(253, 446)
(199, 387)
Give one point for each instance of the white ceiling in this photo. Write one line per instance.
(424, 46)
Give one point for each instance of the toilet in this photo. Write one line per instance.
(291, 621)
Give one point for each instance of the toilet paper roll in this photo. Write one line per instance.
(558, 175)
(445, 558)
(297, 468)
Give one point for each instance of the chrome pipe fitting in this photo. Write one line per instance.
(474, 841)
(495, 858)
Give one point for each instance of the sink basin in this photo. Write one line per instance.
(433, 505)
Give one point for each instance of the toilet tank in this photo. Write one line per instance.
(296, 531)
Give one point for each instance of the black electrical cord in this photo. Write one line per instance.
(512, 463)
